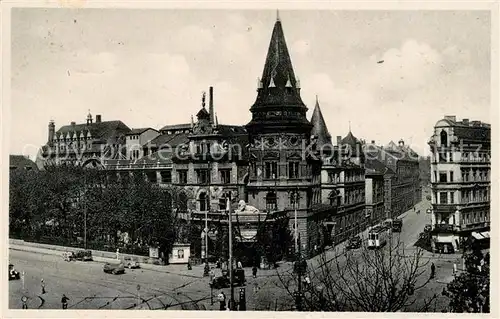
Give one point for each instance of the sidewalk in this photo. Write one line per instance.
(181, 270)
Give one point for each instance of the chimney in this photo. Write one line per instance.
(339, 140)
(52, 131)
(465, 121)
(211, 104)
(73, 124)
(98, 118)
(373, 142)
(450, 118)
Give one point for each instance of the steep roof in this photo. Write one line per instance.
(319, 128)
(350, 139)
(100, 130)
(21, 162)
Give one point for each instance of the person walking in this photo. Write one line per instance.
(433, 271)
(64, 301)
(24, 301)
(42, 283)
(222, 300)
(254, 271)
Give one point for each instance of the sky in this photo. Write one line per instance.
(148, 68)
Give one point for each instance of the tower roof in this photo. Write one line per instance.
(350, 139)
(278, 101)
(319, 128)
(279, 84)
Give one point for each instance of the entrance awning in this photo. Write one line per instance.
(477, 235)
(485, 234)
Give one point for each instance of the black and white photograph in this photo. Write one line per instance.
(267, 158)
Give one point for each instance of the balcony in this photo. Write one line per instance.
(445, 228)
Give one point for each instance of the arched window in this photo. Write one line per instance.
(203, 202)
(294, 199)
(271, 201)
(444, 138)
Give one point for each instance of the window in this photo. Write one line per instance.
(452, 197)
(203, 176)
(294, 199)
(203, 202)
(182, 174)
(293, 170)
(444, 138)
(443, 198)
(451, 176)
(442, 157)
(451, 157)
(435, 177)
(271, 201)
(271, 170)
(223, 201)
(166, 177)
(442, 177)
(225, 176)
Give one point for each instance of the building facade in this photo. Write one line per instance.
(461, 182)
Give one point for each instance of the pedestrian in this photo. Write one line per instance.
(118, 253)
(222, 300)
(64, 301)
(42, 283)
(239, 265)
(433, 271)
(189, 265)
(24, 301)
(254, 271)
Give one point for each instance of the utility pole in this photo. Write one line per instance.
(231, 299)
(295, 221)
(85, 210)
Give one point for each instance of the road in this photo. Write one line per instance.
(88, 287)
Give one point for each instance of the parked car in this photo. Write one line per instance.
(397, 225)
(83, 255)
(13, 273)
(427, 228)
(354, 243)
(223, 281)
(131, 262)
(114, 268)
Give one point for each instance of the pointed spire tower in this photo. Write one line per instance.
(319, 128)
(278, 104)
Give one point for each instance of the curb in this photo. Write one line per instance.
(46, 251)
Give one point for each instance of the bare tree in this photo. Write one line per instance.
(384, 280)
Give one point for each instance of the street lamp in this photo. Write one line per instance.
(230, 218)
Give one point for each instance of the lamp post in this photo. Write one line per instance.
(231, 299)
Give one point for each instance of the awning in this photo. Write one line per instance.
(486, 234)
(477, 235)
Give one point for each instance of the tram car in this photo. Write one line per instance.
(378, 236)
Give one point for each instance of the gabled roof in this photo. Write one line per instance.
(319, 128)
(21, 162)
(101, 130)
(137, 131)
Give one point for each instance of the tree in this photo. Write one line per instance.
(470, 291)
(385, 280)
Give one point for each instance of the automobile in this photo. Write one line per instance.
(114, 268)
(131, 262)
(397, 225)
(354, 243)
(13, 273)
(427, 228)
(83, 255)
(223, 281)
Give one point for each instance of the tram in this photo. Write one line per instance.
(378, 236)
